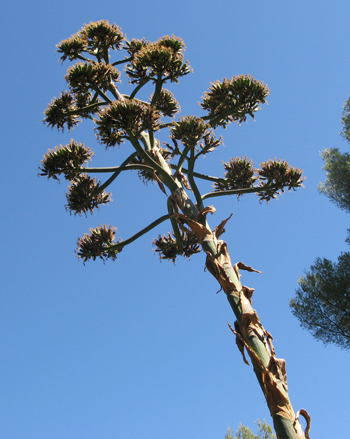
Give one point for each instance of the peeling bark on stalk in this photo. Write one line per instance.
(250, 333)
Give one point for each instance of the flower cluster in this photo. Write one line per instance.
(209, 142)
(233, 99)
(167, 104)
(122, 119)
(239, 174)
(168, 248)
(94, 38)
(135, 45)
(189, 130)
(58, 112)
(98, 244)
(85, 194)
(82, 77)
(65, 160)
(275, 176)
(162, 59)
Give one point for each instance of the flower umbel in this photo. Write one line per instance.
(168, 248)
(167, 104)
(239, 175)
(98, 244)
(57, 114)
(94, 38)
(65, 160)
(84, 195)
(82, 77)
(160, 60)
(124, 118)
(233, 99)
(189, 130)
(275, 176)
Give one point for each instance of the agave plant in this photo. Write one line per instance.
(94, 93)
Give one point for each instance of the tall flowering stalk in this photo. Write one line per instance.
(93, 93)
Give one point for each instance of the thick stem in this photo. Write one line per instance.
(250, 334)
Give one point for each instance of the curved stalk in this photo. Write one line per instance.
(138, 88)
(176, 230)
(121, 61)
(255, 189)
(101, 93)
(133, 238)
(193, 185)
(166, 178)
(114, 176)
(198, 175)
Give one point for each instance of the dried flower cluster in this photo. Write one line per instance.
(65, 160)
(123, 119)
(168, 247)
(160, 60)
(233, 99)
(98, 244)
(209, 142)
(167, 104)
(275, 176)
(239, 174)
(58, 112)
(82, 77)
(94, 38)
(85, 194)
(189, 130)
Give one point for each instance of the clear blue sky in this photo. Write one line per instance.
(139, 348)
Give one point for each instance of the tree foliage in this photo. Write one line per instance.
(243, 432)
(337, 184)
(93, 93)
(322, 301)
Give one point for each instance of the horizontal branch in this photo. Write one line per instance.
(232, 192)
(198, 175)
(252, 190)
(151, 226)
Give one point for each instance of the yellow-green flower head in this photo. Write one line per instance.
(275, 176)
(168, 248)
(166, 103)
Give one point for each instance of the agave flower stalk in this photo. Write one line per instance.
(93, 94)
